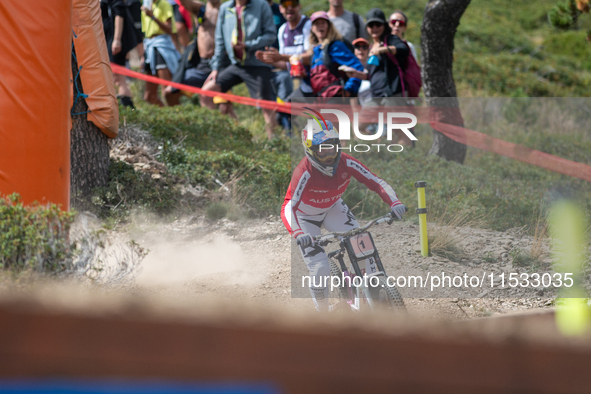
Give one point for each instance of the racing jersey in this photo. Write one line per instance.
(312, 193)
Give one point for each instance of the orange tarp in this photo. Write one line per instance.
(35, 76)
(96, 75)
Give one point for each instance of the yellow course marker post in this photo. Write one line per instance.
(568, 227)
(422, 211)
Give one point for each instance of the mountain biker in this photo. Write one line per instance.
(313, 199)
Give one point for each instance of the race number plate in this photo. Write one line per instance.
(362, 245)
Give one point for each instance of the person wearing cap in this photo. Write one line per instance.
(326, 79)
(386, 84)
(348, 23)
(384, 76)
(398, 23)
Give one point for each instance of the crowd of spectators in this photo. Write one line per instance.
(274, 49)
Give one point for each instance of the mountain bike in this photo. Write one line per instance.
(360, 287)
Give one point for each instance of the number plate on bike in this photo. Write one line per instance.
(362, 245)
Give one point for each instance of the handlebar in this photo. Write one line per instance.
(325, 239)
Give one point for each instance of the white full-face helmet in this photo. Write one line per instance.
(321, 148)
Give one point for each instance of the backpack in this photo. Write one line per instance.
(410, 76)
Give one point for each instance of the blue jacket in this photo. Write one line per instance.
(258, 31)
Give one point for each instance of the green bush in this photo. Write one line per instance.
(129, 189)
(34, 237)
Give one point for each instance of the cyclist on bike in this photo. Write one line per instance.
(313, 200)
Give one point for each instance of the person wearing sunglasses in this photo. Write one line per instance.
(383, 72)
(386, 54)
(398, 23)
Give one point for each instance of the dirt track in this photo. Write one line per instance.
(251, 261)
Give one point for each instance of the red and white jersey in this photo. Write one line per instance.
(312, 193)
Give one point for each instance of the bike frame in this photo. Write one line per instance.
(357, 253)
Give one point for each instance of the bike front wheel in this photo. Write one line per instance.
(337, 296)
(387, 296)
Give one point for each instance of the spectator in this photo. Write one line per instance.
(386, 86)
(329, 52)
(384, 76)
(121, 38)
(398, 23)
(293, 37)
(361, 46)
(161, 57)
(135, 10)
(181, 37)
(349, 24)
(240, 41)
(197, 58)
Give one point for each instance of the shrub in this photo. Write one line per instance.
(129, 188)
(223, 209)
(34, 237)
(42, 239)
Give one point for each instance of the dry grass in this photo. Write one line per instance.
(444, 230)
(537, 251)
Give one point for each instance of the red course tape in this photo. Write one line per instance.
(459, 134)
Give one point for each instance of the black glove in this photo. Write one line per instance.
(399, 210)
(305, 240)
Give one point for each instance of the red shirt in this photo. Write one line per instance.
(313, 193)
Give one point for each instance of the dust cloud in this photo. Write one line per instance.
(173, 263)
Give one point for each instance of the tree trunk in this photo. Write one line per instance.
(440, 22)
(89, 149)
